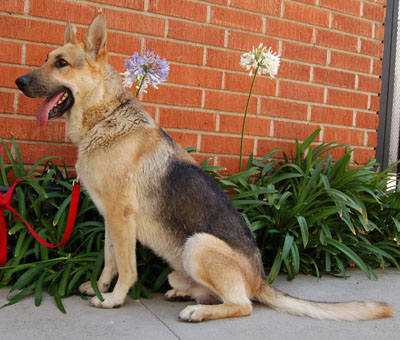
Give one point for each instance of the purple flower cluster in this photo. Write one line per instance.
(143, 70)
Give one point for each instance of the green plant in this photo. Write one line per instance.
(312, 215)
(43, 201)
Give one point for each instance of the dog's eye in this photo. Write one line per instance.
(60, 63)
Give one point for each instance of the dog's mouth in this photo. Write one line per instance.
(55, 106)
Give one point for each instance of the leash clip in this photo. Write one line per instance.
(76, 181)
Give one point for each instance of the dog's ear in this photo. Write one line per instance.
(96, 38)
(70, 34)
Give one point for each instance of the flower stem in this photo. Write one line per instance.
(140, 87)
(245, 116)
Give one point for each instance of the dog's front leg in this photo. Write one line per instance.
(123, 236)
(109, 270)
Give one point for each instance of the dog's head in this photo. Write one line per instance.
(70, 72)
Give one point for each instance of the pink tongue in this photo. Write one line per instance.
(43, 110)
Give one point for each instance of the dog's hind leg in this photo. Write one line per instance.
(109, 270)
(215, 265)
(123, 235)
(184, 288)
(181, 284)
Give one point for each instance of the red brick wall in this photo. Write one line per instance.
(330, 71)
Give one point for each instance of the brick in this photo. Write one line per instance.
(374, 12)
(306, 14)
(11, 52)
(246, 41)
(28, 106)
(31, 30)
(369, 84)
(9, 74)
(56, 9)
(294, 71)
(350, 62)
(375, 103)
(231, 164)
(202, 34)
(352, 25)
(372, 139)
(266, 146)
(179, 52)
(283, 109)
(218, 144)
(118, 62)
(334, 78)
(367, 120)
(242, 83)
(327, 115)
(219, 2)
(336, 40)
(347, 99)
(151, 110)
(27, 129)
(229, 102)
(135, 23)
(379, 32)
(123, 43)
(184, 139)
(345, 6)
(133, 4)
(12, 6)
(377, 67)
(270, 7)
(300, 52)
(184, 119)
(236, 19)
(201, 158)
(301, 92)
(180, 8)
(363, 156)
(36, 54)
(223, 60)
(344, 136)
(372, 48)
(173, 95)
(293, 130)
(289, 30)
(311, 2)
(32, 152)
(254, 126)
(7, 102)
(195, 76)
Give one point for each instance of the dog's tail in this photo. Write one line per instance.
(348, 311)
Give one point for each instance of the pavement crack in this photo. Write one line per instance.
(176, 335)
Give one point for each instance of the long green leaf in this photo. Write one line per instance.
(350, 254)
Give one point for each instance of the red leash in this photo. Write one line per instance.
(5, 203)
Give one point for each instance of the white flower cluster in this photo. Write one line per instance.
(261, 60)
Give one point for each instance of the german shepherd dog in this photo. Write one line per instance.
(148, 188)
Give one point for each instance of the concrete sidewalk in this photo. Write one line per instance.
(158, 319)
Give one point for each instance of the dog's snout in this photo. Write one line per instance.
(22, 81)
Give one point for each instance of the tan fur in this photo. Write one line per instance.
(123, 157)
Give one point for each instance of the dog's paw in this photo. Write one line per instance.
(110, 301)
(193, 314)
(177, 295)
(86, 289)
